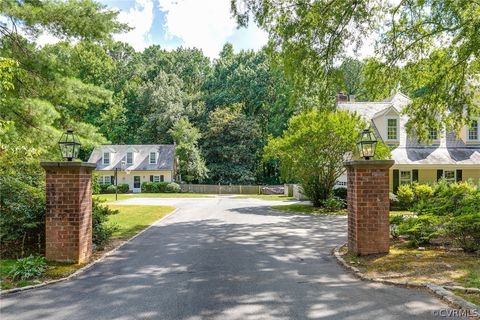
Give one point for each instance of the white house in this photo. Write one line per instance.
(135, 164)
(455, 157)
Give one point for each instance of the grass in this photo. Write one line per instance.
(133, 219)
(307, 209)
(123, 196)
(435, 265)
(275, 197)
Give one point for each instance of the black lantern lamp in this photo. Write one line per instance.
(367, 144)
(69, 145)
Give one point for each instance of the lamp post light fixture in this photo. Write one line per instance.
(367, 144)
(69, 145)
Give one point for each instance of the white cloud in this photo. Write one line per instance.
(140, 18)
(208, 25)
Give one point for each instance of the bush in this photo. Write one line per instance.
(173, 187)
(395, 221)
(27, 268)
(405, 196)
(123, 188)
(465, 231)
(160, 187)
(420, 229)
(102, 231)
(22, 217)
(340, 193)
(96, 188)
(333, 204)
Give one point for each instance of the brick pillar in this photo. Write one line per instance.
(68, 218)
(368, 206)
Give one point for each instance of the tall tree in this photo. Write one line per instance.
(310, 35)
(191, 163)
(230, 146)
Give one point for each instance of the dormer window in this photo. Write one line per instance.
(153, 157)
(129, 157)
(473, 130)
(106, 158)
(392, 129)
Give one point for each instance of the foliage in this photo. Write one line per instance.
(123, 188)
(191, 163)
(420, 229)
(230, 146)
(340, 193)
(101, 230)
(22, 215)
(446, 210)
(160, 187)
(27, 268)
(333, 204)
(436, 41)
(465, 231)
(173, 187)
(313, 149)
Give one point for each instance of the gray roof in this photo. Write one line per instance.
(165, 158)
(425, 156)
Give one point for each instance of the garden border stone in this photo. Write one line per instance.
(87, 266)
(441, 292)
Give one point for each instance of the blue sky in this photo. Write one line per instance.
(205, 24)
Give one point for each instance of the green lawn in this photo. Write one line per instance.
(133, 219)
(122, 196)
(306, 209)
(276, 197)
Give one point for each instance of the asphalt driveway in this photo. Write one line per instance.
(224, 258)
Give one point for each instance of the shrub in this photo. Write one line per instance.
(333, 204)
(173, 187)
(111, 188)
(394, 204)
(123, 188)
(22, 216)
(465, 231)
(405, 196)
(422, 191)
(395, 221)
(27, 268)
(420, 229)
(102, 231)
(340, 193)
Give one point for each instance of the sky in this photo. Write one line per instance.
(205, 24)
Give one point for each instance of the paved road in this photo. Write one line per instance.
(224, 258)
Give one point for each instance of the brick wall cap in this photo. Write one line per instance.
(369, 163)
(67, 164)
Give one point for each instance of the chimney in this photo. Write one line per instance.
(341, 97)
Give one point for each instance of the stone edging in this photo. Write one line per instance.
(88, 266)
(439, 291)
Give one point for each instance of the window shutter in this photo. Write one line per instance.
(459, 175)
(439, 174)
(396, 180)
(414, 175)
(112, 179)
(151, 178)
(162, 178)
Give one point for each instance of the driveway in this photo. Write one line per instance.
(224, 258)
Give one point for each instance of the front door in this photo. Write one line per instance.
(136, 184)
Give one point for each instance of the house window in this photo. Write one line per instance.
(405, 177)
(156, 178)
(106, 158)
(162, 178)
(433, 134)
(153, 157)
(129, 157)
(392, 129)
(104, 180)
(449, 175)
(473, 131)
